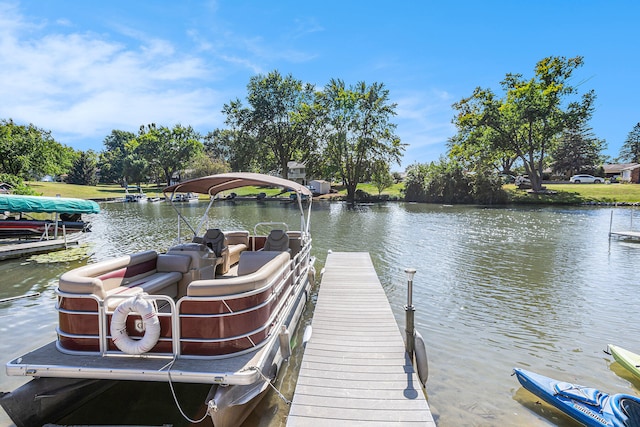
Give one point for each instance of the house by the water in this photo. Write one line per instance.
(624, 172)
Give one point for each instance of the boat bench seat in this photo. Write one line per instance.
(147, 271)
(238, 242)
(255, 270)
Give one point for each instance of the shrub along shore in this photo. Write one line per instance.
(565, 194)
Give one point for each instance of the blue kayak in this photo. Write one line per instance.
(586, 405)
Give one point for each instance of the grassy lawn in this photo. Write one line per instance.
(602, 192)
(394, 192)
(107, 191)
(100, 191)
(579, 193)
(566, 193)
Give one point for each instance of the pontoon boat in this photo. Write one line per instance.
(215, 309)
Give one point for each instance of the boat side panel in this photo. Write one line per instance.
(80, 332)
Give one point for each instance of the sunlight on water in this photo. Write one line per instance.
(540, 288)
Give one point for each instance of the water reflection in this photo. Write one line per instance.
(540, 288)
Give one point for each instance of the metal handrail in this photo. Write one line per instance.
(104, 337)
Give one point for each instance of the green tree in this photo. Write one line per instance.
(203, 165)
(84, 170)
(169, 150)
(630, 150)
(530, 117)
(437, 182)
(415, 183)
(381, 176)
(474, 148)
(134, 169)
(235, 148)
(113, 157)
(357, 130)
(30, 152)
(18, 186)
(276, 117)
(578, 151)
(445, 181)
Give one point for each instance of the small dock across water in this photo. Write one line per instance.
(355, 371)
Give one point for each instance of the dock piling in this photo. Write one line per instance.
(409, 310)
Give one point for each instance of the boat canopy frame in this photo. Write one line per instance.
(212, 185)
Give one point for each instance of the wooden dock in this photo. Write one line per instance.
(355, 371)
(20, 248)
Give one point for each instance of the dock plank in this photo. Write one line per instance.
(355, 371)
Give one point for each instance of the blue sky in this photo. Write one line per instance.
(82, 68)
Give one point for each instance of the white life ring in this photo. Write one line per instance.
(118, 328)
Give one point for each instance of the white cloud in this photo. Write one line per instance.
(304, 27)
(243, 62)
(426, 118)
(83, 85)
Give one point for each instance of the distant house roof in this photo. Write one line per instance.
(295, 165)
(619, 167)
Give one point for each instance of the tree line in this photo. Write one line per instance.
(345, 133)
(537, 124)
(342, 133)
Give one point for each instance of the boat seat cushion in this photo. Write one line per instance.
(156, 282)
(235, 251)
(273, 266)
(101, 277)
(146, 271)
(240, 237)
(277, 240)
(171, 262)
(250, 262)
(238, 242)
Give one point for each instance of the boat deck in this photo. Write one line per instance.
(20, 248)
(355, 370)
(47, 361)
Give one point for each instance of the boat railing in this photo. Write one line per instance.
(276, 292)
(278, 284)
(301, 260)
(86, 315)
(166, 303)
(105, 309)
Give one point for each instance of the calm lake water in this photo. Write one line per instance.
(539, 288)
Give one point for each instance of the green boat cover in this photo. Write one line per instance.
(17, 203)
